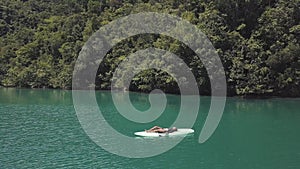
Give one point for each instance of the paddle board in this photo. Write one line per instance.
(180, 131)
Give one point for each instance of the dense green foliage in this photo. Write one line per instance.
(258, 42)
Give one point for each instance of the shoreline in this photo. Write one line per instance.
(251, 97)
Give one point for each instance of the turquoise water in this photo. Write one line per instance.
(40, 129)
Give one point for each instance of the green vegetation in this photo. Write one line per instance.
(257, 40)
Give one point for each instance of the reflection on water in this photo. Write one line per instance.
(35, 96)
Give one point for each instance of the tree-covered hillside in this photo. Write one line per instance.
(258, 42)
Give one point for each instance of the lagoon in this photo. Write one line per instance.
(40, 129)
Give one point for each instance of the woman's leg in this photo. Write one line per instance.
(154, 129)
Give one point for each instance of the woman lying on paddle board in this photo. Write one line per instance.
(157, 129)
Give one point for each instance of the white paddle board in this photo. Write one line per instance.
(180, 131)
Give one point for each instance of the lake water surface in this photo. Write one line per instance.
(40, 129)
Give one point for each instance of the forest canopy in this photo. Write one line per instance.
(257, 41)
